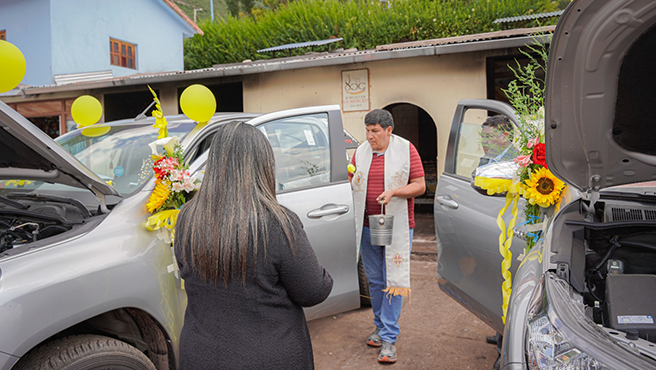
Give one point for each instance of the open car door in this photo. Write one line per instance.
(469, 261)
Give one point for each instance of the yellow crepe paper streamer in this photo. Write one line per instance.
(166, 219)
(513, 191)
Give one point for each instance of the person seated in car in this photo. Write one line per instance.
(496, 139)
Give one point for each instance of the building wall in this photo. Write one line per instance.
(81, 30)
(27, 23)
(433, 83)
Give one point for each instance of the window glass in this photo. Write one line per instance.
(121, 156)
(199, 149)
(302, 150)
(484, 137)
(122, 54)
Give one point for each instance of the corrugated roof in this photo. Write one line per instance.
(71, 78)
(529, 17)
(460, 44)
(301, 45)
(467, 38)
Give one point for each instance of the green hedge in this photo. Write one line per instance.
(362, 25)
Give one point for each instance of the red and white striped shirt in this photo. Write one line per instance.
(376, 183)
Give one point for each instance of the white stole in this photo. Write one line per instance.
(397, 173)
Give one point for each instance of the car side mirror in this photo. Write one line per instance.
(496, 170)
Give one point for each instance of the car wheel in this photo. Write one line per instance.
(85, 352)
(365, 298)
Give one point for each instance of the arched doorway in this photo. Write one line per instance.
(416, 125)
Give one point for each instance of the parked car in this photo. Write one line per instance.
(584, 296)
(81, 277)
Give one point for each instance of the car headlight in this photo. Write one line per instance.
(547, 347)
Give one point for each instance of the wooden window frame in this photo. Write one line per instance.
(64, 113)
(3, 35)
(122, 54)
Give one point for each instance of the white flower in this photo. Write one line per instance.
(177, 186)
(189, 184)
(168, 143)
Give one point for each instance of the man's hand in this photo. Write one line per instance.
(385, 197)
(415, 188)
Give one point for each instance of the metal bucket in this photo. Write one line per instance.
(380, 228)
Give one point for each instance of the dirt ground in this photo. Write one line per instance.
(436, 332)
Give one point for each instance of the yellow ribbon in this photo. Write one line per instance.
(513, 190)
(165, 219)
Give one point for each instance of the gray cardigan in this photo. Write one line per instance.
(259, 324)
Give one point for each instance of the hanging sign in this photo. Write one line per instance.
(355, 90)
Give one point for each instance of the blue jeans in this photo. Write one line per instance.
(386, 311)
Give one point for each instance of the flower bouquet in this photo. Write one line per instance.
(532, 179)
(173, 181)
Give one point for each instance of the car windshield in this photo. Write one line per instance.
(118, 154)
(121, 157)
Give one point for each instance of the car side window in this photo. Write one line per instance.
(199, 149)
(302, 150)
(484, 137)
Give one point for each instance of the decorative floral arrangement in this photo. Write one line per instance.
(538, 185)
(173, 180)
(533, 180)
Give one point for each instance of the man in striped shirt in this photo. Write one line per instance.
(370, 176)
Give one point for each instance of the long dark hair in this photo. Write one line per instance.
(234, 208)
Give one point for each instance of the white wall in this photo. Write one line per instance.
(433, 83)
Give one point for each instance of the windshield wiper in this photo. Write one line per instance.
(52, 198)
(11, 203)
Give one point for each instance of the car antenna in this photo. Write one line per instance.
(142, 115)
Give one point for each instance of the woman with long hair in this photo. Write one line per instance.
(247, 264)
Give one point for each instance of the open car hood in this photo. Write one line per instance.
(600, 94)
(27, 153)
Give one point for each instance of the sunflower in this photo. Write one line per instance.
(543, 188)
(159, 196)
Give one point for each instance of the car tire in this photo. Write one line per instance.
(365, 298)
(81, 352)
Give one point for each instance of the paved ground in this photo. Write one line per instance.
(436, 332)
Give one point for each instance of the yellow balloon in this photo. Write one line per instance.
(93, 131)
(198, 103)
(12, 66)
(86, 110)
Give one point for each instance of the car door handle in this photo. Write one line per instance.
(446, 201)
(334, 210)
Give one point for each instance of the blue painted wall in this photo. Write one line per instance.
(72, 36)
(81, 30)
(27, 23)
